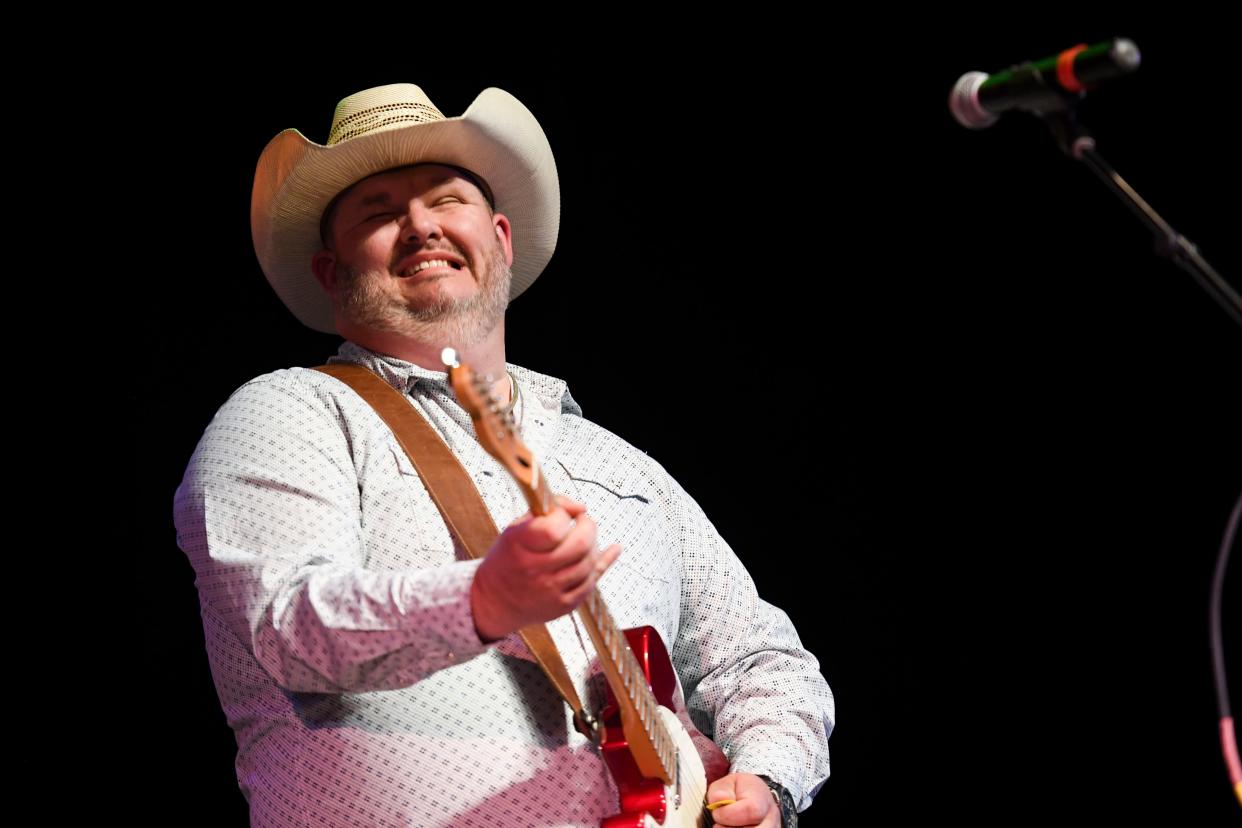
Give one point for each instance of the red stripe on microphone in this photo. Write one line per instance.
(1065, 68)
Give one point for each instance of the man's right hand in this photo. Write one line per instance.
(540, 568)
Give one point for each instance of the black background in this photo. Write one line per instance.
(931, 384)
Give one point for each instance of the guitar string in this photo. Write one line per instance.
(588, 686)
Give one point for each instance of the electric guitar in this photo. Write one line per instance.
(658, 771)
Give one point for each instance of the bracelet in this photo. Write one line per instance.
(784, 801)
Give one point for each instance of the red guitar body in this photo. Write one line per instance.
(646, 801)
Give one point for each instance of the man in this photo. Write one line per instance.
(371, 672)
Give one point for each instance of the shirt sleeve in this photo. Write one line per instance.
(748, 681)
(269, 515)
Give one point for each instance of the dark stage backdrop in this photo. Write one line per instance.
(932, 385)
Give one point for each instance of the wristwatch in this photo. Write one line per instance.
(784, 800)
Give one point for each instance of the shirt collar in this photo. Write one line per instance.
(552, 393)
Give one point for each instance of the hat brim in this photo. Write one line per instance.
(496, 138)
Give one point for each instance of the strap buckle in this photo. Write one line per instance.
(589, 726)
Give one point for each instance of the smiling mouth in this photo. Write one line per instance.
(429, 265)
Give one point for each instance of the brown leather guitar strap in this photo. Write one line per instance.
(462, 507)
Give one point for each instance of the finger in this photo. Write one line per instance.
(607, 558)
(741, 813)
(578, 594)
(577, 546)
(746, 809)
(594, 564)
(544, 533)
(572, 506)
(724, 788)
(570, 577)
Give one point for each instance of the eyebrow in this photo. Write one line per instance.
(382, 197)
(334, 206)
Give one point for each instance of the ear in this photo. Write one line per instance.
(504, 232)
(323, 265)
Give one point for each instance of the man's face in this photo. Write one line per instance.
(416, 251)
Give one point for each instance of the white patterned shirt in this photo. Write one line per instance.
(337, 614)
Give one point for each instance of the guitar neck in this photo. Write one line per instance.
(650, 743)
(538, 496)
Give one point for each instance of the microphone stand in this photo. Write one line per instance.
(1057, 112)
(1055, 108)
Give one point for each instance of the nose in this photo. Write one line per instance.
(419, 224)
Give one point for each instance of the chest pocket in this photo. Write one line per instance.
(644, 585)
(401, 524)
(500, 494)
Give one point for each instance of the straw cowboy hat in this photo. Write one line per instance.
(496, 138)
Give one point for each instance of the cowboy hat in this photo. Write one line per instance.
(496, 139)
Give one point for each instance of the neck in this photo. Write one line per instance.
(486, 357)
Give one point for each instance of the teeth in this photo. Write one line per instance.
(424, 265)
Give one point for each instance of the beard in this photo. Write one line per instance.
(367, 300)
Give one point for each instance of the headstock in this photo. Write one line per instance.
(494, 426)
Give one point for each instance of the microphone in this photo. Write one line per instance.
(977, 99)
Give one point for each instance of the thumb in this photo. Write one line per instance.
(723, 788)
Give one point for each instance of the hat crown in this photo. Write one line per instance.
(379, 109)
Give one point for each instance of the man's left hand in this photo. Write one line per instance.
(755, 807)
